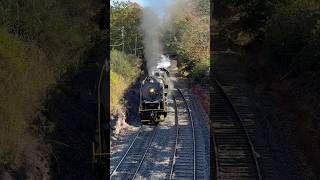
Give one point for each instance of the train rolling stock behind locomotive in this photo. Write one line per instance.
(153, 97)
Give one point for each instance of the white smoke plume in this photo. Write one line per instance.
(157, 18)
(151, 38)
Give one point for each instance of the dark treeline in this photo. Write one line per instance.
(40, 40)
(287, 31)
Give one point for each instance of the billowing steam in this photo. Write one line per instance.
(156, 20)
(151, 38)
(164, 62)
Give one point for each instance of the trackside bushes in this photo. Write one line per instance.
(200, 71)
(124, 71)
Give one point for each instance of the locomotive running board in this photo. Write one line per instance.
(148, 120)
(146, 110)
(145, 120)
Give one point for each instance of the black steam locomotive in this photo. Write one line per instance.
(153, 97)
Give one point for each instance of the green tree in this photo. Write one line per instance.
(128, 16)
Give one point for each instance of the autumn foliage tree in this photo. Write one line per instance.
(189, 37)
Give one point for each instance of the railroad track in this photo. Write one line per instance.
(184, 158)
(234, 154)
(131, 162)
(183, 164)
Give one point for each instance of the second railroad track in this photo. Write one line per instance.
(234, 153)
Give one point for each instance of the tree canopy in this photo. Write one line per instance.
(126, 17)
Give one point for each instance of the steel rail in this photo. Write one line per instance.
(145, 152)
(193, 132)
(216, 166)
(177, 137)
(253, 152)
(125, 155)
(203, 115)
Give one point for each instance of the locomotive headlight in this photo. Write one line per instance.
(151, 90)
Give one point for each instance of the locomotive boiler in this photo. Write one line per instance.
(153, 97)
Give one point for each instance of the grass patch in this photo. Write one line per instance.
(118, 87)
(124, 71)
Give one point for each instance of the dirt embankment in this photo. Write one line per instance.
(128, 114)
(203, 96)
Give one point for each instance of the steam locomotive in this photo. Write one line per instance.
(153, 97)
